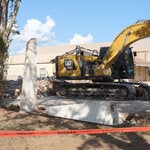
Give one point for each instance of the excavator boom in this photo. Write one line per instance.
(128, 36)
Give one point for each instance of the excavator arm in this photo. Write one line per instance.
(128, 36)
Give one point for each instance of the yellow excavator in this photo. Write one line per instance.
(104, 69)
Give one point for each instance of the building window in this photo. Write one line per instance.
(42, 72)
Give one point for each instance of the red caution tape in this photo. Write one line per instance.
(58, 132)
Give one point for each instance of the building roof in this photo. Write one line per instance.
(141, 45)
(45, 54)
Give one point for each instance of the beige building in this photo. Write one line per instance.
(142, 60)
(45, 54)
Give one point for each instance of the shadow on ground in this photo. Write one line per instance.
(39, 120)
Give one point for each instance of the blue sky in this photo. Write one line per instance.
(55, 22)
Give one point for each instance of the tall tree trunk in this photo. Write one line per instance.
(7, 20)
(3, 58)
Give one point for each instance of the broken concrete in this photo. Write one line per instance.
(129, 110)
(90, 111)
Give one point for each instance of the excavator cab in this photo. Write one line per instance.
(123, 67)
(103, 52)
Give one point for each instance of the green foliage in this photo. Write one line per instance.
(13, 107)
(3, 60)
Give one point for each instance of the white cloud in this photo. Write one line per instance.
(35, 29)
(78, 39)
(43, 33)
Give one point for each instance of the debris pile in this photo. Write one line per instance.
(13, 88)
(44, 87)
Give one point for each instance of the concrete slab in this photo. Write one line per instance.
(89, 111)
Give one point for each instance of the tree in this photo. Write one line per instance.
(8, 13)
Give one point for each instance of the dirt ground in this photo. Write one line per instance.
(39, 120)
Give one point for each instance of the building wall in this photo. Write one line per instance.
(44, 70)
(45, 54)
(14, 71)
(142, 73)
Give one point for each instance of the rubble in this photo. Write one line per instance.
(13, 88)
(44, 87)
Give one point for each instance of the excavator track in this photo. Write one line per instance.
(103, 91)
